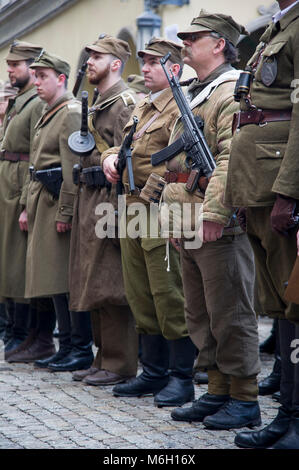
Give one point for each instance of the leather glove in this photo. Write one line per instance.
(212, 231)
(282, 215)
(241, 216)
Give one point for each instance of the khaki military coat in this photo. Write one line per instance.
(48, 251)
(18, 129)
(216, 106)
(156, 120)
(95, 264)
(264, 159)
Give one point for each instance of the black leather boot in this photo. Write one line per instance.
(235, 414)
(64, 337)
(3, 320)
(80, 356)
(180, 388)
(10, 312)
(271, 384)
(267, 436)
(200, 377)
(19, 329)
(206, 405)
(154, 377)
(290, 440)
(268, 346)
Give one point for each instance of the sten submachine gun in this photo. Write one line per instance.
(125, 160)
(199, 158)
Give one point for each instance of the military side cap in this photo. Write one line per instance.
(109, 45)
(7, 91)
(160, 47)
(136, 82)
(224, 25)
(21, 50)
(51, 61)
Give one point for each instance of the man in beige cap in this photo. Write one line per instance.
(96, 282)
(49, 210)
(218, 276)
(22, 113)
(155, 295)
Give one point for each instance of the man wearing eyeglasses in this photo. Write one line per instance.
(218, 277)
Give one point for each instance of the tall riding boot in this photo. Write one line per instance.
(19, 329)
(271, 384)
(180, 388)
(10, 313)
(290, 440)
(64, 337)
(39, 343)
(155, 362)
(3, 320)
(32, 332)
(270, 343)
(272, 433)
(80, 356)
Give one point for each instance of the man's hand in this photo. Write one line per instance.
(212, 231)
(23, 221)
(61, 227)
(175, 243)
(282, 215)
(109, 168)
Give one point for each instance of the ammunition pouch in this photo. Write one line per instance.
(50, 178)
(93, 177)
(153, 188)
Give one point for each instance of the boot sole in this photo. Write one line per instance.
(250, 424)
(133, 396)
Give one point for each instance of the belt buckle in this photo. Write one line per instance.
(262, 124)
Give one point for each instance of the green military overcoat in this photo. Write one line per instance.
(48, 250)
(18, 129)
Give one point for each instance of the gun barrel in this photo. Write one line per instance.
(84, 117)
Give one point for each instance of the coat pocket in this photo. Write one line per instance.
(269, 157)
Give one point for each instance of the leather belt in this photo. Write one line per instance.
(173, 177)
(259, 117)
(14, 157)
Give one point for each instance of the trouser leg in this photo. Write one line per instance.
(119, 340)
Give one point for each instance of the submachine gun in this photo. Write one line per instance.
(199, 158)
(82, 142)
(125, 159)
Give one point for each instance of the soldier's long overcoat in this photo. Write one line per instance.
(22, 114)
(48, 251)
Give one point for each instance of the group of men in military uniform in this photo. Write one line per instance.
(110, 289)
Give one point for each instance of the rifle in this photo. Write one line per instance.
(199, 157)
(125, 159)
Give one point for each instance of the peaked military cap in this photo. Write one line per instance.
(222, 24)
(160, 47)
(21, 50)
(107, 44)
(136, 82)
(51, 61)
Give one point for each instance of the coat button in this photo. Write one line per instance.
(278, 153)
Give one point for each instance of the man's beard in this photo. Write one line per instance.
(21, 82)
(96, 79)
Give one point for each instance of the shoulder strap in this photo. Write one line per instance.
(101, 143)
(48, 116)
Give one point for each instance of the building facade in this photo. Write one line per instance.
(64, 27)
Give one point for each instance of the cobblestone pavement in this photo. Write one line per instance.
(46, 410)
